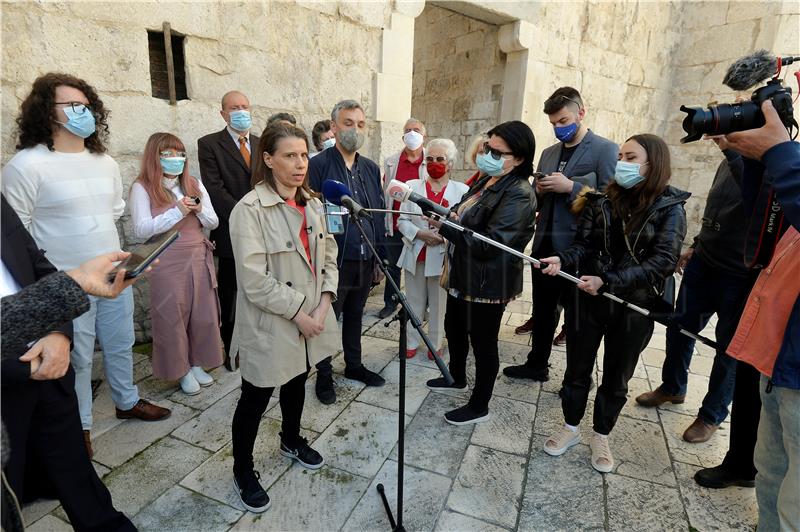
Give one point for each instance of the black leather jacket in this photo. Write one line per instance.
(656, 246)
(505, 213)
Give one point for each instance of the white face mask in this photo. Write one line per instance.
(413, 140)
(328, 143)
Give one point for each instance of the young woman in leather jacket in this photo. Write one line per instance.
(480, 279)
(628, 242)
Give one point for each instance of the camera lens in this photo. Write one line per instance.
(720, 119)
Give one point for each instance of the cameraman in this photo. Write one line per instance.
(768, 338)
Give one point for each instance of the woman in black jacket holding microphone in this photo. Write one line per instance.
(628, 242)
(479, 278)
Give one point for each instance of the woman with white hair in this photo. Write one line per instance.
(423, 252)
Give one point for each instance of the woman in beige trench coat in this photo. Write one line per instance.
(287, 276)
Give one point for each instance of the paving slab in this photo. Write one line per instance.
(517, 389)
(49, 523)
(513, 354)
(489, 486)
(732, 508)
(640, 451)
(212, 429)
(180, 509)
(224, 383)
(638, 505)
(309, 500)
(117, 446)
(36, 510)
(697, 386)
(360, 439)
(509, 427)
(708, 454)
(562, 492)
(424, 495)
(377, 352)
(387, 396)
(317, 416)
(141, 480)
(451, 521)
(636, 387)
(432, 443)
(550, 416)
(214, 478)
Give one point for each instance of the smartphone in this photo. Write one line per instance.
(333, 219)
(538, 175)
(144, 254)
(195, 199)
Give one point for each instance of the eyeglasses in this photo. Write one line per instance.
(77, 107)
(496, 154)
(168, 153)
(440, 159)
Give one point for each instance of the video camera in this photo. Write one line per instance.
(729, 117)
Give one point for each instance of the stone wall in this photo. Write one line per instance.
(458, 77)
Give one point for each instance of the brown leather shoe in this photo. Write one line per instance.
(561, 339)
(658, 398)
(525, 328)
(87, 439)
(144, 410)
(699, 431)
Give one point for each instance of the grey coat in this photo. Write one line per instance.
(592, 164)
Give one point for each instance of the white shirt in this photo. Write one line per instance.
(235, 136)
(146, 225)
(8, 285)
(69, 202)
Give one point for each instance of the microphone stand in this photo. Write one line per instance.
(669, 322)
(403, 316)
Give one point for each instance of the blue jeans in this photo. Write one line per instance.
(777, 459)
(112, 322)
(394, 246)
(705, 291)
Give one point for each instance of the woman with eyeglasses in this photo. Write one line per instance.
(480, 279)
(184, 307)
(628, 242)
(423, 247)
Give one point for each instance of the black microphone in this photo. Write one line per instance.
(399, 191)
(338, 194)
(751, 70)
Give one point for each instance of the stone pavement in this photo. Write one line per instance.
(175, 475)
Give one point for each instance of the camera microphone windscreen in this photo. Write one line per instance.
(751, 70)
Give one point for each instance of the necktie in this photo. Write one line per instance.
(243, 150)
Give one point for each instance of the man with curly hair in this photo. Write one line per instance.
(68, 193)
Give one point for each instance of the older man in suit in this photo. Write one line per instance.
(225, 169)
(580, 159)
(48, 453)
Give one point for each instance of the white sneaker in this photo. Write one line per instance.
(203, 378)
(602, 460)
(189, 384)
(558, 443)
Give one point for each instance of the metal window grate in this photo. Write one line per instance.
(159, 64)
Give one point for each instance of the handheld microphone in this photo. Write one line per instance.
(338, 194)
(399, 191)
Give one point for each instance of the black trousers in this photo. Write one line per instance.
(477, 323)
(251, 407)
(745, 415)
(394, 247)
(626, 333)
(48, 453)
(226, 287)
(549, 293)
(355, 281)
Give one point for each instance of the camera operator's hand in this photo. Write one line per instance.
(754, 143)
(683, 260)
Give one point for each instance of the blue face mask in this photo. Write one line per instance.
(489, 165)
(240, 120)
(566, 133)
(627, 174)
(328, 143)
(80, 121)
(173, 165)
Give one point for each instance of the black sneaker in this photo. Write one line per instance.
(362, 374)
(441, 384)
(324, 388)
(252, 495)
(303, 453)
(721, 477)
(466, 416)
(526, 372)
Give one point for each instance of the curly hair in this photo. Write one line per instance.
(37, 116)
